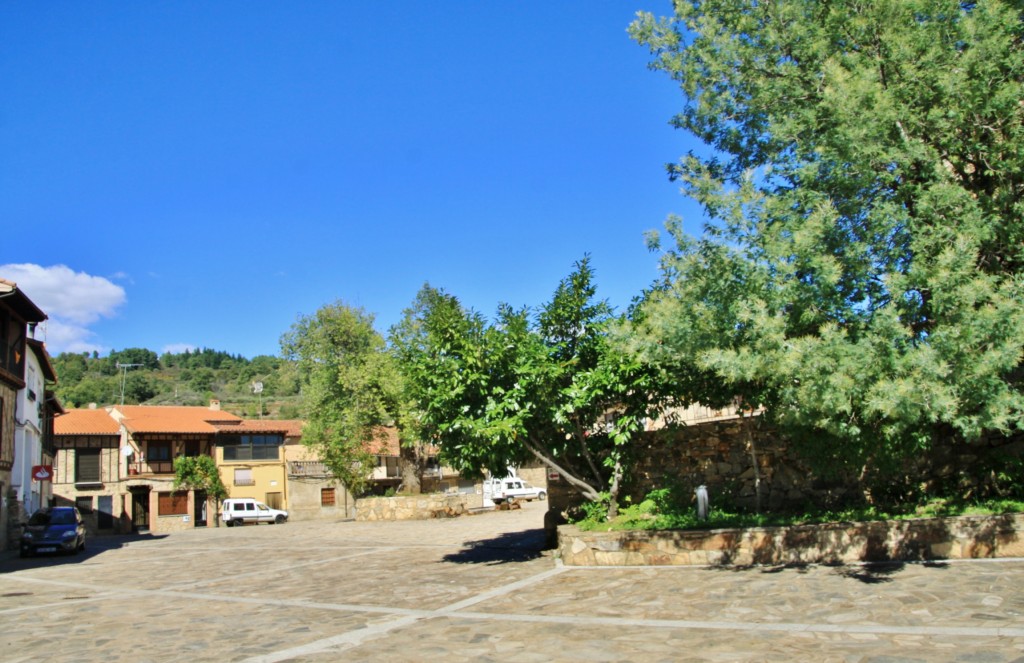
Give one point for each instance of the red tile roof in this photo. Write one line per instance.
(287, 427)
(86, 422)
(384, 443)
(172, 418)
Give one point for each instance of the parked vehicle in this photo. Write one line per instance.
(512, 488)
(244, 510)
(51, 530)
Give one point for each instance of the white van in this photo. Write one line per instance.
(511, 488)
(247, 510)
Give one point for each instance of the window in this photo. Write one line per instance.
(243, 477)
(87, 465)
(84, 504)
(191, 448)
(327, 497)
(251, 447)
(172, 504)
(158, 451)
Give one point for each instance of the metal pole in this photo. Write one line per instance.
(124, 375)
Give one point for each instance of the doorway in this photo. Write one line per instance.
(140, 509)
(200, 508)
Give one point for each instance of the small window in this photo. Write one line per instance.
(243, 477)
(172, 504)
(87, 465)
(327, 497)
(158, 451)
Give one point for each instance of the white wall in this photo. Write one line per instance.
(28, 448)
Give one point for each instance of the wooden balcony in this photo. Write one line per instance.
(150, 467)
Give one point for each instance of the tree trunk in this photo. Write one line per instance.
(409, 466)
(613, 490)
(752, 446)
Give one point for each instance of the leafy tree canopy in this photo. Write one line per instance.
(550, 387)
(860, 274)
(351, 387)
(199, 473)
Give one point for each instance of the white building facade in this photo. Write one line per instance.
(31, 428)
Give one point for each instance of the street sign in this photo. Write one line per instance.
(42, 472)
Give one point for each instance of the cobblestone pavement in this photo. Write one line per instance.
(480, 588)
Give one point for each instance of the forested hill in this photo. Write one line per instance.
(186, 378)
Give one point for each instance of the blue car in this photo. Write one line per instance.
(56, 529)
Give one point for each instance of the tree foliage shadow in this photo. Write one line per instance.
(507, 548)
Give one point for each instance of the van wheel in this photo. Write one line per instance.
(541, 496)
(279, 520)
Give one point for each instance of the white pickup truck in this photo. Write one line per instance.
(247, 510)
(511, 488)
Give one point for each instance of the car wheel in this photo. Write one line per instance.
(541, 496)
(279, 520)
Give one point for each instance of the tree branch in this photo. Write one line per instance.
(588, 491)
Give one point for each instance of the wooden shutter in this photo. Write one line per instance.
(87, 465)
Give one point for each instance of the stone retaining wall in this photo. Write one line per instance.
(415, 507)
(831, 543)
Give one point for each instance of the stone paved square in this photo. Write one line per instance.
(480, 588)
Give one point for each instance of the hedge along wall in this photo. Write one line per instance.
(717, 455)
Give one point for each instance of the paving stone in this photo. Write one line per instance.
(480, 588)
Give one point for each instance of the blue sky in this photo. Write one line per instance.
(200, 174)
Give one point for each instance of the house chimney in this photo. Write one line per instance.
(214, 404)
(92, 406)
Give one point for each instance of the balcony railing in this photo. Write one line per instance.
(307, 468)
(151, 467)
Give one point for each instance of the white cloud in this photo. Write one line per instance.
(62, 337)
(72, 300)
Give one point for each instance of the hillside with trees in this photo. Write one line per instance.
(193, 377)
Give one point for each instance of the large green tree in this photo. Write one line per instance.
(549, 387)
(860, 271)
(350, 387)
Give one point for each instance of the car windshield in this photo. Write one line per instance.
(52, 518)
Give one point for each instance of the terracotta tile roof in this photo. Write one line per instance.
(287, 427)
(384, 443)
(86, 422)
(172, 418)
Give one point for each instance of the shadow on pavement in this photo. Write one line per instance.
(870, 573)
(96, 545)
(506, 548)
